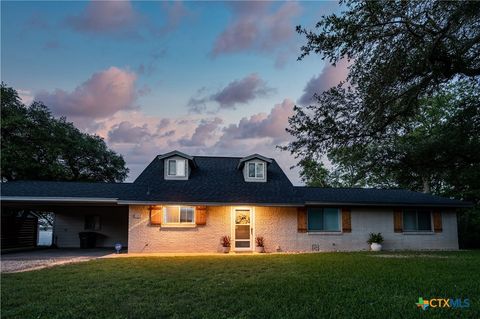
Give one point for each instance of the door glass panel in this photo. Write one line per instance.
(242, 231)
(242, 217)
(242, 244)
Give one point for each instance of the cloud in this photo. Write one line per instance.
(26, 96)
(175, 12)
(139, 137)
(111, 17)
(204, 132)
(328, 78)
(236, 92)
(126, 132)
(258, 27)
(261, 125)
(102, 95)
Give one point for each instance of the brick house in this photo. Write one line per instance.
(183, 203)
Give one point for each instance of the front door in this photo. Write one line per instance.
(242, 229)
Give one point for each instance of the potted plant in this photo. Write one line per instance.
(375, 241)
(225, 241)
(260, 244)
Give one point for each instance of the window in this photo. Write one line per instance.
(323, 219)
(92, 222)
(178, 215)
(176, 168)
(417, 220)
(256, 170)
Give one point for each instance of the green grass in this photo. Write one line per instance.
(324, 285)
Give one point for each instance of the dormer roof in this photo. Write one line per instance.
(245, 159)
(191, 159)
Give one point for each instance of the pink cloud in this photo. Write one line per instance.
(236, 92)
(259, 28)
(106, 17)
(126, 132)
(261, 125)
(329, 77)
(102, 95)
(140, 137)
(204, 132)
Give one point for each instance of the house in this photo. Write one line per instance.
(183, 203)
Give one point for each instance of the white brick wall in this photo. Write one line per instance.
(278, 225)
(206, 238)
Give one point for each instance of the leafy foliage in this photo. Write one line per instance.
(225, 241)
(375, 238)
(407, 115)
(37, 146)
(313, 173)
(401, 51)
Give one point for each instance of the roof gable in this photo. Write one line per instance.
(191, 159)
(243, 160)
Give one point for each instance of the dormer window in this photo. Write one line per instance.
(254, 167)
(177, 167)
(256, 170)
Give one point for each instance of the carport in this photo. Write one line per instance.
(77, 207)
(107, 222)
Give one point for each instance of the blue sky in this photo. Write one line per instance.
(207, 78)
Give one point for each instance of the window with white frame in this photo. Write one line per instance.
(256, 170)
(176, 167)
(417, 220)
(178, 215)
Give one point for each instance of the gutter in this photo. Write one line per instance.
(376, 204)
(59, 199)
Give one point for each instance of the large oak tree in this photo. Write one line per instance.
(37, 146)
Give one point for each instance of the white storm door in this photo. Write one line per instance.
(242, 221)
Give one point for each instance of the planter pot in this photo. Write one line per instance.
(226, 250)
(260, 249)
(375, 247)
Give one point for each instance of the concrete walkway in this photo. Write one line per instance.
(43, 258)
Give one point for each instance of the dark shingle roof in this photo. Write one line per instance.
(64, 189)
(218, 180)
(374, 196)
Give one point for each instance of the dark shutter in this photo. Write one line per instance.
(346, 220)
(155, 215)
(302, 219)
(201, 215)
(397, 220)
(437, 221)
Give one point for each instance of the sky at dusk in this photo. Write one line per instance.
(204, 78)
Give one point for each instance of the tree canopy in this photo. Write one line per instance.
(37, 146)
(400, 52)
(408, 113)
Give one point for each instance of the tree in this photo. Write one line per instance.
(37, 146)
(407, 115)
(313, 173)
(401, 52)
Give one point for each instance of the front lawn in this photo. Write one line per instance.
(335, 285)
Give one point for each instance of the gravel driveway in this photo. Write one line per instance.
(42, 258)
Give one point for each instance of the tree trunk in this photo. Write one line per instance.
(426, 185)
